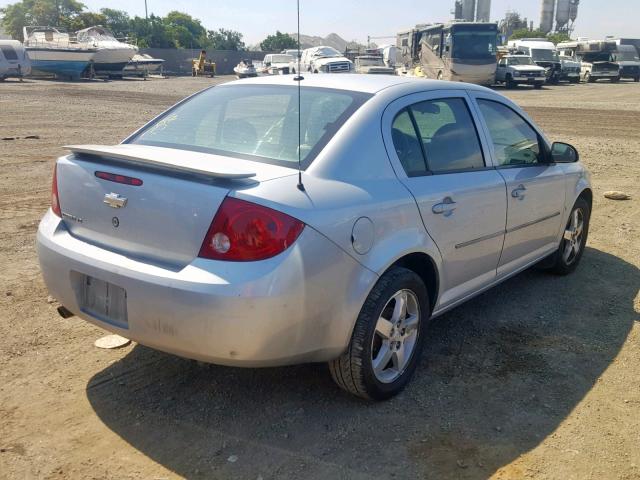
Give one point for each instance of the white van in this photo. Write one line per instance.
(14, 60)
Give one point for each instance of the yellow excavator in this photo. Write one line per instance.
(201, 66)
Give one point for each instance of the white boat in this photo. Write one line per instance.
(112, 55)
(245, 69)
(143, 64)
(54, 52)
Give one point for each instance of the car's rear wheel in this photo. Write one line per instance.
(574, 239)
(386, 342)
(588, 78)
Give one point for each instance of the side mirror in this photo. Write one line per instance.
(564, 153)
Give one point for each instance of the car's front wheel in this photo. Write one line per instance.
(386, 341)
(574, 239)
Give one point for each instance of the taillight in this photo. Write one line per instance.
(243, 231)
(55, 198)
(114, 177)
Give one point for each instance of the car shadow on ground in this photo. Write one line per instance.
(497, 376)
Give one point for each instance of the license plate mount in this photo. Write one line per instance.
(105, 301)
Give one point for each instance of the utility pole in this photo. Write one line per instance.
(146, 13)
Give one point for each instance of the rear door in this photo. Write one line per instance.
(436, 151)
(535, 186)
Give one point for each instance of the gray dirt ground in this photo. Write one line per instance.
(538, 378)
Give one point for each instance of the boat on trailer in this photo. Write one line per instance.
(54, 52)
(112, 55)
(142, 65)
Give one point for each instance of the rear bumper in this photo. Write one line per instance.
(297, 307)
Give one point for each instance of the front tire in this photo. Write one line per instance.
(574, 239)
(387, 339)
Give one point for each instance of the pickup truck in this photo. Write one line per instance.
(514, 70)
(570, 70)
(323, 60)
(372, 64)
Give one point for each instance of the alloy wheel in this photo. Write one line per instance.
(573, 236)
(395, 336)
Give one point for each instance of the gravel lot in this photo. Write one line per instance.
(538, 378)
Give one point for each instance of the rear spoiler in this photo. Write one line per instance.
(173, 159)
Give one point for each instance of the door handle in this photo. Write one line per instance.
(519, 192)
(445, 208)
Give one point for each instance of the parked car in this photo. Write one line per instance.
(276, 64)
(323, 60)
(514, 70)
(542, 52)
(238, 229)
(570, 71)
(372, 64)
(14, 60)
(627, 57)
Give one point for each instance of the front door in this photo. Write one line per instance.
(437, 153)
(535, 186)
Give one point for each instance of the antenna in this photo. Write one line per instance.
(298, 78)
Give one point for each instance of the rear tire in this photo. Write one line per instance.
(510, 83)
(615, 79)
(588, 78)
(566, 259)
(538, 86)
(636, 79)
(387, 338)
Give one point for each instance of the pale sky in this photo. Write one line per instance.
(354, 20)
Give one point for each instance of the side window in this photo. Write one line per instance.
(515, 142)
(407, 145)
(8, 52)
(448, 135)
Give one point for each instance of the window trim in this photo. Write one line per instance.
(541, 143)
(428, 171)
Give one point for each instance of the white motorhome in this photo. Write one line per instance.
(542, 52)
(596, 57)
(323, 60)
(14, 60)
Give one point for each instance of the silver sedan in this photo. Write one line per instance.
(258, 224)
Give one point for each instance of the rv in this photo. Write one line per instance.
(14, 61)
(458, 51)
(542, 52)
(597, 59)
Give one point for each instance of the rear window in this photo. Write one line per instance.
(255, 122)
(8, 52)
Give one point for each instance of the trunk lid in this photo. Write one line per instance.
(165, 219)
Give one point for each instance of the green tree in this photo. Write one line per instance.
(526, 33)
(223, 39)
(152, 33)
(117, 21)
(559, 37)
(85, 20)
(57, 13)
(184, 30)
(278, 42)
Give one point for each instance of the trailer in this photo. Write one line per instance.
(14, 60)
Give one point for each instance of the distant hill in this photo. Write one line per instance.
(332, 40)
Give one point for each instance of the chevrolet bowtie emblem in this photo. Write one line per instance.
(114, 200)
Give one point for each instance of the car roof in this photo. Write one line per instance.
(354, 82)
